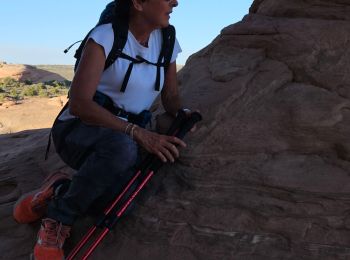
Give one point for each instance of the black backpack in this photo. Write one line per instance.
(120, 38)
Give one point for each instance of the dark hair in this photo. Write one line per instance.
(122, 9)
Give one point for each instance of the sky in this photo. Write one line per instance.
(37, 31)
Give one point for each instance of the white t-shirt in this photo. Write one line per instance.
(140, 92)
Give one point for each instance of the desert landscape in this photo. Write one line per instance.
(25, 112)
(266, 176)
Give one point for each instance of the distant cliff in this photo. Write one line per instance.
(35, 74)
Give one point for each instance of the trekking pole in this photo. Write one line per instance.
(178, 121)
(194, 118)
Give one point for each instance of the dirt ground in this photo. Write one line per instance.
(31, 113)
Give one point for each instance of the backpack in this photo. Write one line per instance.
(120, 38)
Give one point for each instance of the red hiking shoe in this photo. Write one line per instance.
(51, 237)
(32, 206)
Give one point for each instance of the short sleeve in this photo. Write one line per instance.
(177, 50)
(103, 35)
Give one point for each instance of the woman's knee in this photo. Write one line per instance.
(120, 150)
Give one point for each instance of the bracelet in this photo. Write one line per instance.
(132, 131)
(127, 127)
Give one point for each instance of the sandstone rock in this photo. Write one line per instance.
(266, 176)
(26, 72)
(315, 9)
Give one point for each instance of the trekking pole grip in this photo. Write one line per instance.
(178, 121)
(182, 131)
(195, 117)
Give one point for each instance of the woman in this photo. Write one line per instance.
(101, 146)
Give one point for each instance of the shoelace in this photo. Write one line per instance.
(54, 233)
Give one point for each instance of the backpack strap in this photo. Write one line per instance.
(79, 51)
(106, 17)
(169, 36)
(120, 38)
(139, 60)
(120, 30)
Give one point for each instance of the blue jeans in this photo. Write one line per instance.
(104, 159)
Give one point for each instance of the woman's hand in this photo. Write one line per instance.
(163, 146)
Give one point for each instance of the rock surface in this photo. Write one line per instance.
(266, 176)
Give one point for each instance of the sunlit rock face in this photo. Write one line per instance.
(25, 73)
(266, 175)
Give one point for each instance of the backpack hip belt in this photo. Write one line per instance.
(141, 119)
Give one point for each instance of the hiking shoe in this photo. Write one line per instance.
(32, 206)
(51, 237)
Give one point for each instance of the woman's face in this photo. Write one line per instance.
(157, 12)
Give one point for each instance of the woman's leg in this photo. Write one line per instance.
(103, 157)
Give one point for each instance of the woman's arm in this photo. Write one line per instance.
(84, 85)
(170, 94)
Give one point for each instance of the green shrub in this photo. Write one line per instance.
(30, 91)
(42, 92)
(10, 82)
(67, 83)
(2, 97)
(60, 84)
(50, 83)
(28, 82)
(41, 85)
(14, 92)
(55, 91)
(15, 95)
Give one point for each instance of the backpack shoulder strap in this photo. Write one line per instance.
(120, 30)
(169, 35)
(79, 51)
